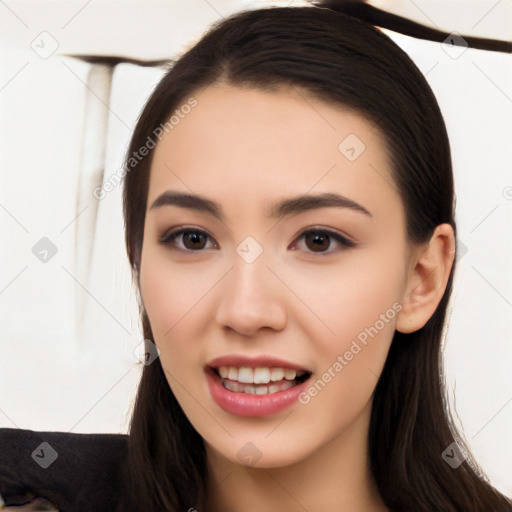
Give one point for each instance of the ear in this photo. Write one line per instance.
(428, 274)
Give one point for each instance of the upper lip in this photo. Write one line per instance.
(263, 361)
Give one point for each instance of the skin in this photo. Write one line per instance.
(246, 149)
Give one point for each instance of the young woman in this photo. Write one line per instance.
(289, 211)
(292, 236)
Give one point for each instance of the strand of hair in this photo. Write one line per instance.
(383, 19)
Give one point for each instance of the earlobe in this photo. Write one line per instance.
(430, 269)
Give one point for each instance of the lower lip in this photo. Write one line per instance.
(248, 404)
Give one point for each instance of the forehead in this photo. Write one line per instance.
(248, 146)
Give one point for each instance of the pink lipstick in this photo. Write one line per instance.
(255, 386)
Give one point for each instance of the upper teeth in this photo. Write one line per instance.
(260, 375)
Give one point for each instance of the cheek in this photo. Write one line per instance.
(159, 299)
(169, 292)
(168, 298)
(358, 304)
(177, 301)
(346, 300)
(349, 364)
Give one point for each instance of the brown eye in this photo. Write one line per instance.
(321, 241)
(317, 242)
(194, 240)
(188, 240)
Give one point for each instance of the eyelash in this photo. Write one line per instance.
(170, 237)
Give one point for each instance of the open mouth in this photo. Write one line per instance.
(260, 380)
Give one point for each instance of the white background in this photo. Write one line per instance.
(69, 326)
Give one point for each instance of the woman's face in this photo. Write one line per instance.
(274, 251)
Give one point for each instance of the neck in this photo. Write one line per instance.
(335, 477)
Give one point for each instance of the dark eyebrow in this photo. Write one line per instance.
(311, 202)
(191, 201)
(279, 210)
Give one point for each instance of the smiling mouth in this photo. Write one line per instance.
(259, 381)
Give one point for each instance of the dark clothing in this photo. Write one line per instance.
(76, 472)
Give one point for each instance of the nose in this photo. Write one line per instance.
(252, 299)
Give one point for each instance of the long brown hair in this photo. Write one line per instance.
(344, 61)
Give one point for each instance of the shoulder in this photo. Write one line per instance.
(74, 471)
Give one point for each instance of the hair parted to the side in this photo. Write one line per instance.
(342, 61)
